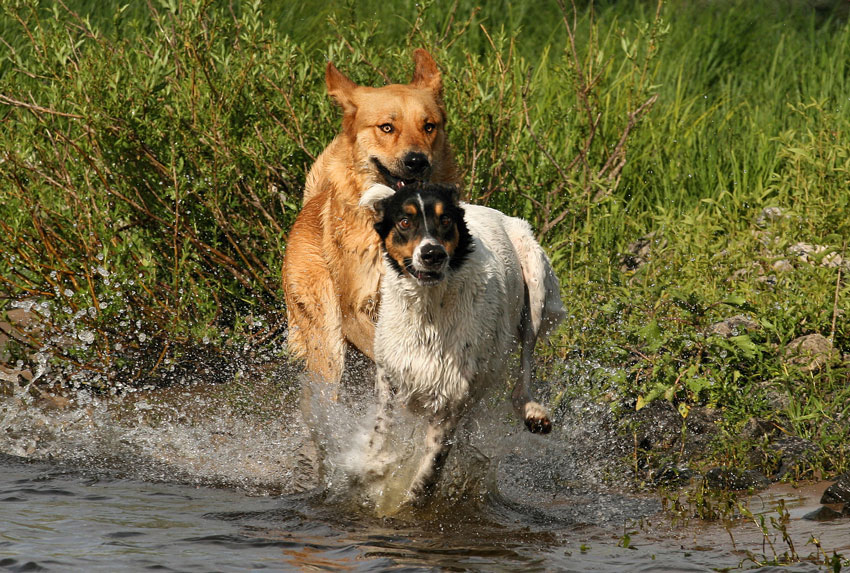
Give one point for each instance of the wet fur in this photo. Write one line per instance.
(440, 345)
(332, 268)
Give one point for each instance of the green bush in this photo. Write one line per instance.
(150, 174)
(153, 157)
(149, 181)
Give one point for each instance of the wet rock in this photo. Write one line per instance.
(733, 326)
(775, 394)
(662, 434)
(658, 427)
(769, 215)
(637, 253)
(823, 513)
(810, 353)
(732, 479)
(671, 475)
(793, 450)
(757, 428)
(839, 492)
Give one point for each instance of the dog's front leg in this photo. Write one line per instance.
(376, 460)
(441, 428)
(383, 415)
(534, 415)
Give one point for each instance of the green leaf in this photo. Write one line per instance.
(735, 300)
(745, 344)
(652, 335)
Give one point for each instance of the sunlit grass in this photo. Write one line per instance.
(152, 163)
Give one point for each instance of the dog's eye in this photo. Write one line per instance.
(445, 221)
(386, 127)
(404, 224)
(429, 127)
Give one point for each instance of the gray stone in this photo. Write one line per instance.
(733, 326)
(839, 492)
(776, 395)
(671, 475)
(756, 429)
(782, 266)
(793, 450)
(732, 479)
(810, 352)
(814, 254)
(769, 215)
(823, 513)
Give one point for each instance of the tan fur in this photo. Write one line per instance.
(332, 269)
(400, 249)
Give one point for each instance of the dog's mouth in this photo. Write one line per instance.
(424, 277)
(390, 178)
(428, 278)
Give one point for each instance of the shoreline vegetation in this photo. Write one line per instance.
(685, 164)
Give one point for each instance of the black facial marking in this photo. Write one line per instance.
(443, 220)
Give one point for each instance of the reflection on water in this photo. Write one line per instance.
(63, 519)
(187, 482)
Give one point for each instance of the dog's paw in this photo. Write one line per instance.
(415, 497)
(537, 419)
(377, 465)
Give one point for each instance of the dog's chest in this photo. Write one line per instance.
(355, 252)
(444, 343)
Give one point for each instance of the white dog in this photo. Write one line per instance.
(464, 284)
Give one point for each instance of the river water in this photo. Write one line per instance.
(182, 480)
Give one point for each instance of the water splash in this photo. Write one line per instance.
(241, 434)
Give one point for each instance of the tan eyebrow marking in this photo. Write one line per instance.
(439, 209)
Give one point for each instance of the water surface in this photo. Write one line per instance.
(186, 482)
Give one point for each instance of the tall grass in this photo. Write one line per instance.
(153, 157)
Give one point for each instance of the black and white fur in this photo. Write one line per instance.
(464, 285)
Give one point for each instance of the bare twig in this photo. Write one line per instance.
(530, 128)
(35, 108)
(835, 300)
(619, 149)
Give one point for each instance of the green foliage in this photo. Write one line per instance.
(153, 156)
(148, 182)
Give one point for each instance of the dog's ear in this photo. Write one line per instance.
(454, 194)
(427, 74)
(373, 199)
(341, 89)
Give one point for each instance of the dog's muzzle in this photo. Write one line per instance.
(416, 163)
(429, 264)
(415, 167)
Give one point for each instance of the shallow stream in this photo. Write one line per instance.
(182, 480)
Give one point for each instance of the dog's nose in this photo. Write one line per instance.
(433, 255)
(416, 162)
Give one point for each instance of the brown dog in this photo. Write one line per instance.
(332, 269)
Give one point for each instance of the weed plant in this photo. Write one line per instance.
(152, 158)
